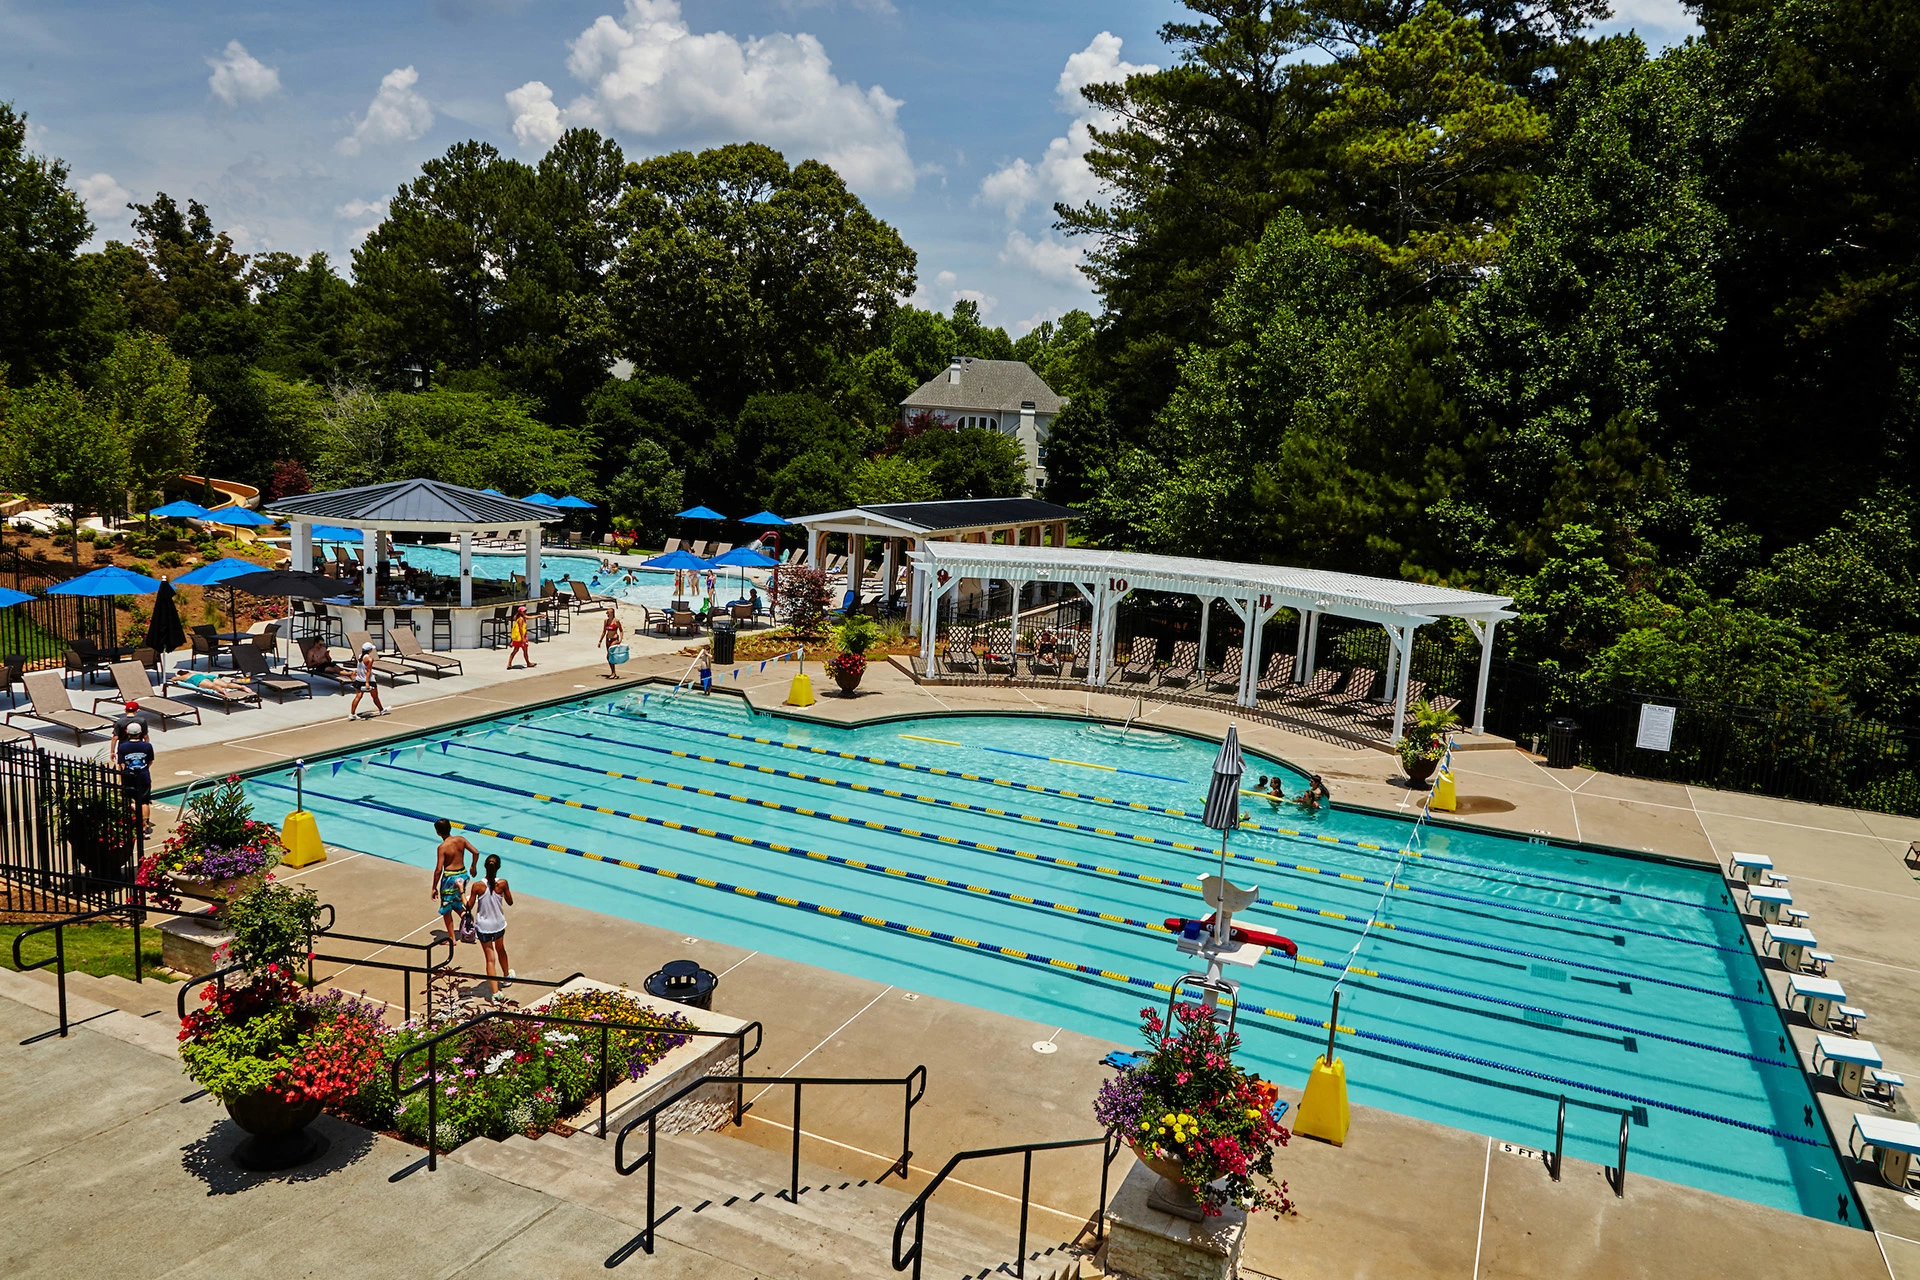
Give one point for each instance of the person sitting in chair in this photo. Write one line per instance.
(319, 659)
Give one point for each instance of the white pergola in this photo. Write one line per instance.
(1255, 593)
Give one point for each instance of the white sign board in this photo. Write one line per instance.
(1656, 727)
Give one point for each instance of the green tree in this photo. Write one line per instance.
(43, 294)
(922, 341)
(186, 283)
(737, 274)
(893, 478)
(65, 450)
(355, 447)
(1061, 352)
(818, 480)
(973, 338)
(483, 441)
(773, 432)
(647, 492)
(1431, 148)
(306, 313)
(971, 462)
(149, 391)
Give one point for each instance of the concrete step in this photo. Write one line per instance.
(38, 990)
(150, 999)
(720, 1194)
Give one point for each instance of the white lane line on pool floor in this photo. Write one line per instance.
(1479, 1237)
(823, 1044)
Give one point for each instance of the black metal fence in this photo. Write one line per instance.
(41, 629)
(69, 832)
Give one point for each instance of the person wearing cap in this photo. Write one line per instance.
(364, 683)
(134, 754)
(517, 637)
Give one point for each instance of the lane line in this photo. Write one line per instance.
(1480, 1236)
(823, 1044)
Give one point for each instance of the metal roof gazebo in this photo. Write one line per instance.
(415, 506)
(1255, 593)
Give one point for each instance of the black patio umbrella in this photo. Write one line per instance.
(290, 582)
(164, 632)
(1223, 809)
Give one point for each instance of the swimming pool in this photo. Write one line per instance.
(651, 587)
(1504, 972)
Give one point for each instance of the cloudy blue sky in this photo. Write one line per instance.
(293, 122)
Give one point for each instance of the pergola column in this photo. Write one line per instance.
(370, 567)
(1393, 660)
(532, 535)
(466, 569)
(1300, 647)
(1484, 633)
(1313, 646)
(935, 589)
(303, 546)
(1206, 608)
(887, 571)
(1403, 645)
(856, 564)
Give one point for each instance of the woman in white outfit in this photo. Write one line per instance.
(488, 900)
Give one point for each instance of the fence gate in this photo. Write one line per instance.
(69, 832)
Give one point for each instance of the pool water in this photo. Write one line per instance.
(1503, 974)
(651, 587)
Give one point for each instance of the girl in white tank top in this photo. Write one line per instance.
(488, 899)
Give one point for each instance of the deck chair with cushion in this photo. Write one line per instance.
(1000, 657)
(381, 666)
(1276, 678)
(130, 679)
(1228, 676)
(1319, 687)
(1044, 662)
(47, 701)
(209, 685)
(585, 599)
(251, 663)
(407, 648)
(1355, 691)
(1184, 667)
(1140, 659)
(960, 654)
(1073, 654)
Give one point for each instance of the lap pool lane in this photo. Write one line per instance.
(1502, 974)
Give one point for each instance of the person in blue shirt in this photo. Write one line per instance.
(134, 754)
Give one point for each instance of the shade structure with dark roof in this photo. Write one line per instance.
(428, 505)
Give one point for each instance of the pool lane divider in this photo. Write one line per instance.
(1035, 958)
(1020, 899)
(1082, 764)
(1370, 848)
(1294, 868)
(1069, 864)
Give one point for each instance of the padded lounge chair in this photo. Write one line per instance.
(407, 648)
(227, 699)
(1228, 676)
(1043, 664)
(130, 679)
(1140, 659)
(1355, 691)
(47, 701)
(1319, 687)
(960, 654)
(1184, 668)
(1278, 675)
(1000, 656)
(381, 666)
(250, 662)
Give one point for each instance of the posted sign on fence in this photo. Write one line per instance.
(1656, 727)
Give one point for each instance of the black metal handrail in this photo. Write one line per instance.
(135, 912)
(916, 1213)
(431, 1046)
(650, 1118)
(326, 931)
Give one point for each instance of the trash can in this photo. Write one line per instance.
(683, 982)
(723, 631)
(1563, 743)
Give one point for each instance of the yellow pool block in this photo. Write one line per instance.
(1444, 796)
(1323, 1110)
(800, 692)
(301, 835)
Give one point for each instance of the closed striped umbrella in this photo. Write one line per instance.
(1223, 793)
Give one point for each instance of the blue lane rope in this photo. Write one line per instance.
(1369, 849)
(1110, 768)
(1198, 851)
(1014, 953)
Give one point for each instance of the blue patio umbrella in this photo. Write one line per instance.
(698, 513)
(572, 503)
(181, 510)
(541, 499)
(677, 560)
(219, 571)
(239, 518)
(334, 533)
(744, 558)
(763, 517)
(495, 492)
(8, 596)
(110, 581)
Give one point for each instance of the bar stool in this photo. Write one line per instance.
(442, 628)
(404, 618)
(494, 630)
(377, 627)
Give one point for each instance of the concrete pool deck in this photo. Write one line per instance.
(1404, 1197)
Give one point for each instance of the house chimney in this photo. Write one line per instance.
(953, 371)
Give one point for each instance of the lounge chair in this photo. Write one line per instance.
(1319, 687)
(1357, 690)
(47, 701)
(10, 735)
(1228, 676)
(1184, 667)
(227, 698)
(1279, 673)
(1445, 702)
(700, 549)
(960, 654)
(381, 666)
(1073, 654)
(583, 598)
(130, 679)
(719, 549)
(407, 647)
(1140, 659)
(1000, 657)
(250, 662)
(334, 671)
(1043, 663)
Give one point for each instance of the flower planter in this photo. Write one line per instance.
(1173, 1193)
(277, 1133)
(1419, 771)
(221, 888)
(847, 683)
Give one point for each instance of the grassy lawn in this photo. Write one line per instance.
(98, 949)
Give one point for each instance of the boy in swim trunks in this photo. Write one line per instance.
(454, 865)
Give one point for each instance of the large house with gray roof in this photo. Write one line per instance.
(1001, 395)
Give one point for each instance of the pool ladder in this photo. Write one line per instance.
(1616, 1174)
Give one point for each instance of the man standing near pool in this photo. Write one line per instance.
(455, 863)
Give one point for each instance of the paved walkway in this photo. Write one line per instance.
(1404, 1197)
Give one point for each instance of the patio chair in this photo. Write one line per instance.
(1319, 687)
(130, 679)
(1045, 661)
(1354, 692)
(407, 646)
(960, 654)
(493, 631)
(1227, 678)
(47, 702)
(583, 598)
(1184, 667)
(184, 682)
(1140, 659)
(10, 673)
(84, 662)
(442, 628)
(203, 646)
(683, 623)
(381, 666)
(742, 614)
(1276, 678)
(1000, 656)
(251, 662)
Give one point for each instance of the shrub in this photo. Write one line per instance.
(271, 926)
(266, 1035)
(804, 600)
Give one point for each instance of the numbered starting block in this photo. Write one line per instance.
(1849, 1060)
(1796, 946)
(1890, 1144)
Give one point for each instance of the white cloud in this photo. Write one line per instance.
(1054, 259)
(651, 76)
(945, 278)
(398, 113)
(1062, 174)
(354, 210)
(103, 197)
(536, 120)
(240, 78)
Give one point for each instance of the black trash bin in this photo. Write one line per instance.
(722, 641)
(683, 982)
(1563, 743)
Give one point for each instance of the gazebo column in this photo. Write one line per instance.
(856, 563)
(887, 571)
(1483, 632)
(1403, 643)
(369, 569)
(466, 569)
(930, 628)
(1258, 614)
(1393, 661)
(1300, 647)
(1313, 646)
(1206, 608)
(532, 537)
(303, 546)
